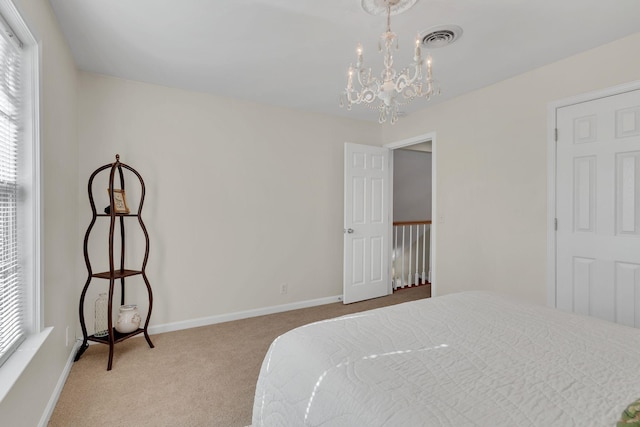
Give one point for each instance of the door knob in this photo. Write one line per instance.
(349, 230)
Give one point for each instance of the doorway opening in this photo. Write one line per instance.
(413, 205)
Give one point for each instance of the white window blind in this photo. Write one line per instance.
(12, 305)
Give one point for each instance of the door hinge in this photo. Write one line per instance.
(555, 223)
(556, 134)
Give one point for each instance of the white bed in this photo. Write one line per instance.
(468, 359)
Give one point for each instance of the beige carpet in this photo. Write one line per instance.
(196, 377)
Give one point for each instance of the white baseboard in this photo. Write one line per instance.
(211, 320)
(48, 410)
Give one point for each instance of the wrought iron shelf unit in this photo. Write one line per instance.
(115, 272)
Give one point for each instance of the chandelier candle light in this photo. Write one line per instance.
(393, 89)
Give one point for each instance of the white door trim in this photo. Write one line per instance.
(431, 136)
(551, 172)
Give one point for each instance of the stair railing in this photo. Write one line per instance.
(411, 237)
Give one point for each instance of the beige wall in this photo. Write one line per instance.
(240, 197)
(491, 168)
(411, 185)
(26, 402)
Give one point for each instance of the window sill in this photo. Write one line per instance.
(18, 362)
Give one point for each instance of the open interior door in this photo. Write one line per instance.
(367, 226)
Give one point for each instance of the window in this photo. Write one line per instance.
(19, 190)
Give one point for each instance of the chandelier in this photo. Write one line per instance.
(392, 89)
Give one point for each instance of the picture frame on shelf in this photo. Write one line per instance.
(119, 201)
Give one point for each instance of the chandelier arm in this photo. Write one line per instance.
(364, 95)
(411, 92)
(416, 71)
(409, 85)
(368, 96)
(345, 100)
(365, 79)
(353, 97)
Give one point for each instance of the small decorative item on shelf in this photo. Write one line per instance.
(119, 201)
(128, 319)
(101, 307)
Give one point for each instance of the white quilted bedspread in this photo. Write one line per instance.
(468, 359)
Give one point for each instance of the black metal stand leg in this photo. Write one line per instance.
(110, 324)
(146, 336)
(81, 350)
(150, 294)
(110, 357)
(84, 345)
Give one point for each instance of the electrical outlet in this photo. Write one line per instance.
(284, 288)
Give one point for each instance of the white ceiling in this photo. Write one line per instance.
(295, 53)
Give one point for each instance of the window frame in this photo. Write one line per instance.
(30, 200)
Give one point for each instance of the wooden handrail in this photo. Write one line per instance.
(412, 222)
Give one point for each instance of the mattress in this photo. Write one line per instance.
(472, 359)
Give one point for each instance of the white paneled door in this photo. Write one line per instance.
(598, 208)
(367, 224)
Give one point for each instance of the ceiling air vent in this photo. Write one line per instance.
(441, 36)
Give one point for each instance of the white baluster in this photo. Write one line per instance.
(417, 275)
(424, 251)
(402, 276)
(395, 259)
(430, 258)
(410, 248)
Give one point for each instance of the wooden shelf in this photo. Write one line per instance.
(117, 274)
(117, 336)
(118, 214)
